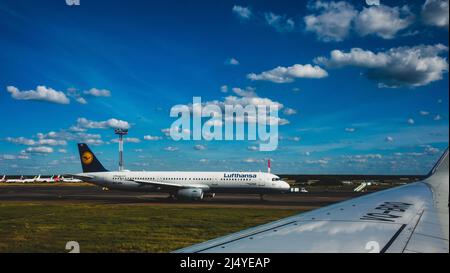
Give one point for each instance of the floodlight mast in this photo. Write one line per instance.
(121, 132)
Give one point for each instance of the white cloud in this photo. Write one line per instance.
(81, 100)
(171, 149)
(41, 93)
(289, 111)
(333, 22)
(232, 61)
(110, 123)
(424, 113)
(279, 22)
(253, 160)
(435, 13)
(242, 12)
(21, 141)
(253, 148)
(397, 67)
(350, 130)
(152, 138)
(8, 157)
(200, 147)
(39, 150)
(127, 139)
(63, 151)
(224, 89)
(437, 117)
(383, 21)
(98, 92)
(373, 2)
(410, 121)
(247, 92)
(52, 142)
(282, 74)
(319, 161)
(389, 139)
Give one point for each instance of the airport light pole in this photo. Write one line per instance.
(121, 133)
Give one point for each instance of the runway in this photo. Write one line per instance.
(93, 194)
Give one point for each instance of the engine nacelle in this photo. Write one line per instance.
(192, 194)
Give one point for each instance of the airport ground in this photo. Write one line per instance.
(43, 217)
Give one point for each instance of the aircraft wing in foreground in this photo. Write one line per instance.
(409, 218)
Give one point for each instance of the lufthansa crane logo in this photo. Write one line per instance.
(87, 158)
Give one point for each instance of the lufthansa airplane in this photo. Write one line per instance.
(407, 219)
(182, 185)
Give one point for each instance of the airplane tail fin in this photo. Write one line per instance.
(441, 166)
(89, 161)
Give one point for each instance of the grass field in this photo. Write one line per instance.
(46, 226)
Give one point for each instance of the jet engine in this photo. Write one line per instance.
(192, 194)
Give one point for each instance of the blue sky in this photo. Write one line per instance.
(360, 94)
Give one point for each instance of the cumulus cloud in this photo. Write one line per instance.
(32, 142)
(350, 130)
(289, 111)
(411, 121)
(224, 89)
(245, 97)
(334, 21)
(253, 148)
(397, 67)
(253, 160)
(127, 139)
(41, 93)
(39, 150)
(282, 74)
(21, 141)
(389, 139)
(81, 100)
(152, 138)
(424, 113)
(171, 149)
(383, 21)
(98, 92)
(242, 12)
(231, 61)
(200, 147)
(437, 117)
(279, 22)
(435, 13)
(110, 123)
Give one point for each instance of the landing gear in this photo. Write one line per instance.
(105, 189)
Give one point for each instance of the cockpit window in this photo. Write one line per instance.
(276, 179)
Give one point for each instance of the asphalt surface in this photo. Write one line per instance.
(92, 194)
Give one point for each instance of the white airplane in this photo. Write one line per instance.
(406, 219)
(29, 180)
(20, 180)
(70, 180)
(183, 185)
(43, 180)
(3, 179)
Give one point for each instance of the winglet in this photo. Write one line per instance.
(441, 166)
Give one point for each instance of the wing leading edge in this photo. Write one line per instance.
(409, 218)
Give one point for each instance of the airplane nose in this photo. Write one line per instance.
(286, 186)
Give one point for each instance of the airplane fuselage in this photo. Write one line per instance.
(213, 182)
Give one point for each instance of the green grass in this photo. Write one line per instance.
(46, 227)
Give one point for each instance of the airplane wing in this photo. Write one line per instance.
(83, 177)
(409, 218)
(170, 186)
